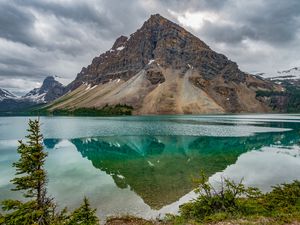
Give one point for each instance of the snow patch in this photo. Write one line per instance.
(291, 74)
(189, 66)
(5, 94)
(120, 48)
(36, 97)
(88, 87)
(93, 87)
(151, 61)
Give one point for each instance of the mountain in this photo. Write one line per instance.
(287, 100)
(289, 74)
(5, 94)
(49, 91)
(164, 69)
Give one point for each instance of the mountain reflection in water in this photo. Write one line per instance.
(160, 168)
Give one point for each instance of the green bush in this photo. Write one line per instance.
(211, 201)
(233, 200)
(284, 198)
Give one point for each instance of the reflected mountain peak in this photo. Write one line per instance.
(159, 168)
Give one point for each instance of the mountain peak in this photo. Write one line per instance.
(119, 42)
(50, 90)
(159, 39)
(157, 17)
(49, 78)
(48, 83)
(156, 20)
(164, 69)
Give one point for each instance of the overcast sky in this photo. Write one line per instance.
(58, 37)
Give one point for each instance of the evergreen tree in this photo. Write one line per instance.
(31, 179)
(84, 215)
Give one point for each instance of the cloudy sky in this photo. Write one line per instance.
(59, 37)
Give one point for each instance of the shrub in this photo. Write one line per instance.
(284, 198)
(228, 198)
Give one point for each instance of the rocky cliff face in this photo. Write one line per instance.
(158, 39)
(164, 69)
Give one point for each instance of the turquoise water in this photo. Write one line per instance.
(143, 165)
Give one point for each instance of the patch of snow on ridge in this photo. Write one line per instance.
(151, 61)
(292, 74)
(120, 48)
(5, 94)
(190, 66)
(36, 97)
(88, 87)
(93, 87)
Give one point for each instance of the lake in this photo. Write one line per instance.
(143, 165)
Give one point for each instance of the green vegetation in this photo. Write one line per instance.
(107, 110)
(31, 180)
(84, 215)
(286, 101)
(261, 93)
(233, 201)
(42, 110)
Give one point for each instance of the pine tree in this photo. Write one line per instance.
(31, 179)
(84, 215)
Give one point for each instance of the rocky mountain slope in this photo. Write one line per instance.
(5, 94)
(49, 91)
(164, 69)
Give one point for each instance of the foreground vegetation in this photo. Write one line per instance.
(38, 208)
(230, 202)
(244, 205)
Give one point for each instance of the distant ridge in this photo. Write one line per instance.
(49, 91)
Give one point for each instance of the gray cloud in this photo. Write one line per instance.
(193, 5)
(15, 24)
(272, 21)
(227, 33)
(40, 38)
(79, 11)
